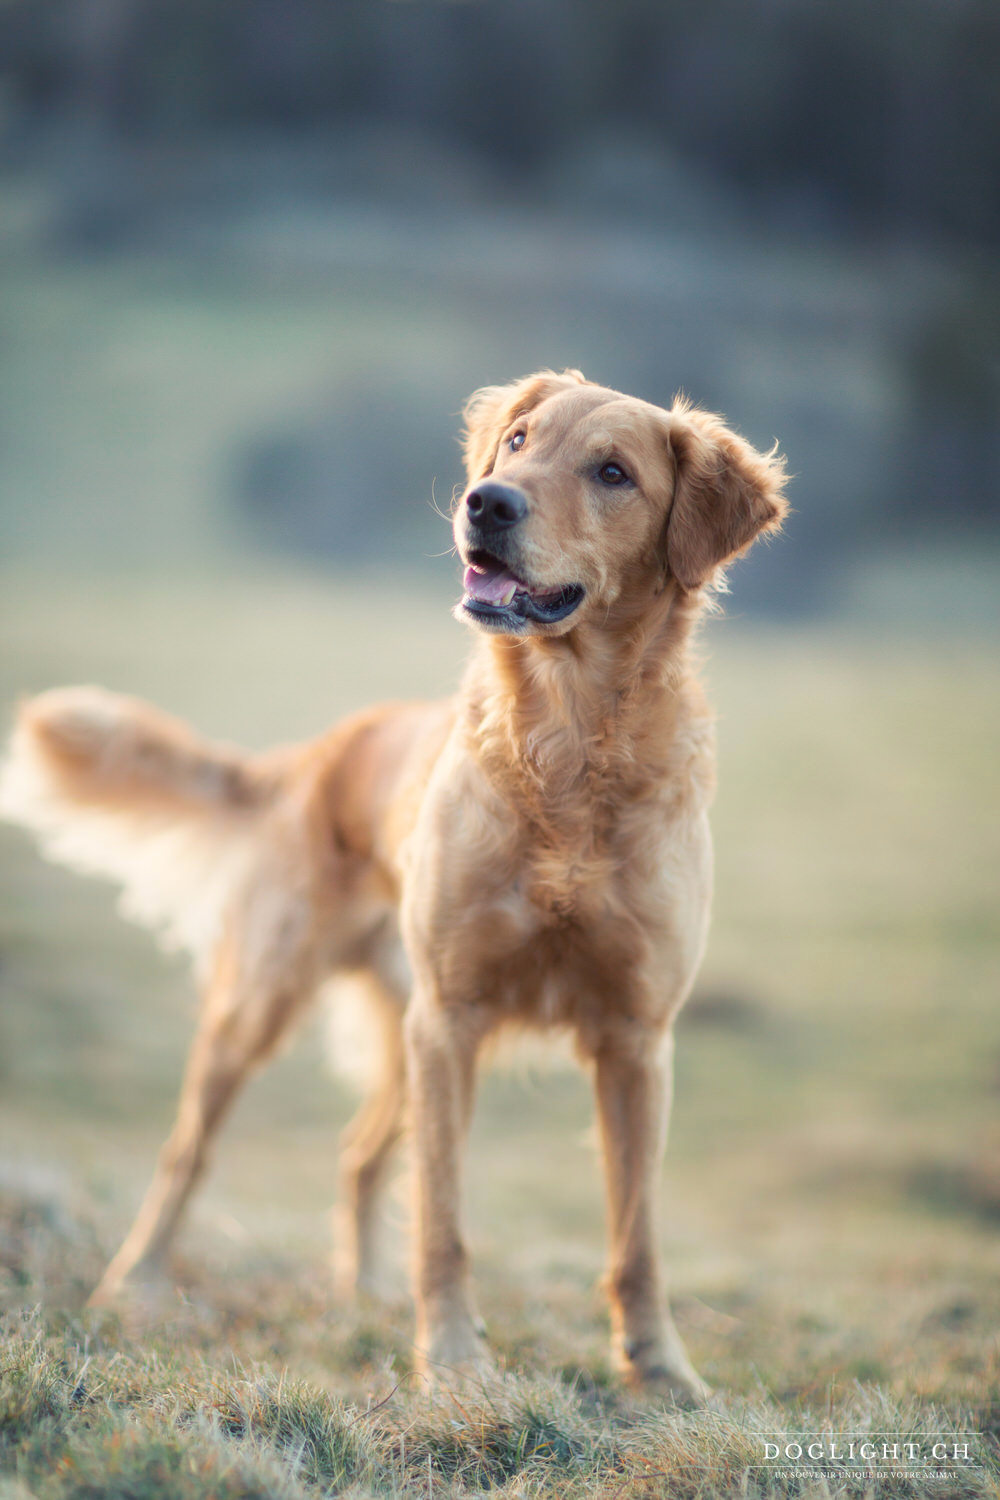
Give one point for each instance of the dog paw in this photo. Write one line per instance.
(456, 1356)
(673, 1387)
(662, 1369)
(145, 1295)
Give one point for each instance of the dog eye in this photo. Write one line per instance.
(613, 474)
(516, 442)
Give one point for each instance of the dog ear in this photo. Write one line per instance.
(725, 494)
(490, 411)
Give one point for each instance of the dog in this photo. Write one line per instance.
(534, 852)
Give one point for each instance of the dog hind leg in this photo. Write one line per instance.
(249, 1006)
(368, 1147)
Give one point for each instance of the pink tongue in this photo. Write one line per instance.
(493, 585)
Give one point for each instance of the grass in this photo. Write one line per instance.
(832, 1190)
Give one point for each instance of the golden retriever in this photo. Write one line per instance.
(534, 851)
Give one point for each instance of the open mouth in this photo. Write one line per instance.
(496, 596)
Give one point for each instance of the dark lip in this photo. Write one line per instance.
(522, 609)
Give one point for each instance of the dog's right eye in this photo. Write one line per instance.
(516, 442)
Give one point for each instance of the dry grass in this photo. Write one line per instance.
(832, 1186)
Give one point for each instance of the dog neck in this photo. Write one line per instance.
(598, 706)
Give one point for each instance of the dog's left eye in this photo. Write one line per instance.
(516, 442)
(613, 474)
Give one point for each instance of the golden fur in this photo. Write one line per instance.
(535, 851)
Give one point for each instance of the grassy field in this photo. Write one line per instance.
(833, 1183)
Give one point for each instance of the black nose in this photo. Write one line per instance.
(491, 506)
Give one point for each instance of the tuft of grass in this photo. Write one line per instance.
(315, 1434)
(478, 1439)
(142, 1462)
(96, 1420)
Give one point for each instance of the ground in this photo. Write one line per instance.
(832, 1189)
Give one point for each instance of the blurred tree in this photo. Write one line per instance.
(869, 116)
(950, 440)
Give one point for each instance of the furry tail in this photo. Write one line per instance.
(114, 787)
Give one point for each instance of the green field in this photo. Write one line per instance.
(832, 1190)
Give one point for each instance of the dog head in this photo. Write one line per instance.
(581, 500)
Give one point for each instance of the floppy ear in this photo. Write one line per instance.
(725, 494)
(490, 411)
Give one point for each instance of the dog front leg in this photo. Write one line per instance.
(633, 1083)
(441, 1044)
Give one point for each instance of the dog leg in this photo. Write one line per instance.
(633, 1085)
(441, 1045)
(369, 1144)
(240, 1025)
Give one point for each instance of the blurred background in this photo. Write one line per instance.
(255, 256)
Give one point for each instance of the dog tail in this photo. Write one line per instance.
(112, 786)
